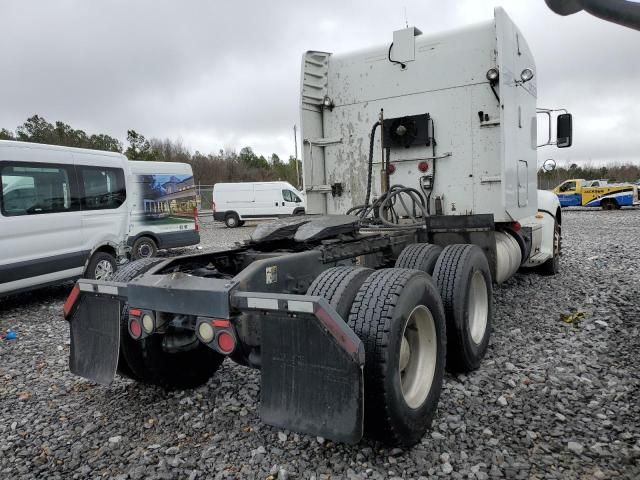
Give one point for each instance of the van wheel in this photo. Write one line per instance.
(144, 247)
(419, 256)
(398, 315)
(148, 360)
(464, 279)
(232, 220)
(102, 266)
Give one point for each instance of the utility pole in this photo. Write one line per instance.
(295, 142)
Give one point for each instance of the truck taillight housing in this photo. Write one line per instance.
(217, 334)
(141, 323)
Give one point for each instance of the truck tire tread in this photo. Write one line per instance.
(372, 319)
(339, 285)
(419, 256)
(451, 276)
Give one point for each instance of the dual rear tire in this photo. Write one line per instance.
(412, 326)
(398, 315)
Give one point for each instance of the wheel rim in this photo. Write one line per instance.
(478, 307)
(231, 221)
(144, 250)
(418, 354)
(104, 270)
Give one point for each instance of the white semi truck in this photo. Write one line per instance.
(420, 175)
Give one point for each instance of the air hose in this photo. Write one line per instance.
(370, 171)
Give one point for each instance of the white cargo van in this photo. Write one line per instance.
(69, 212)
(233, 203)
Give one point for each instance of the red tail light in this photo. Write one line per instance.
(71, 300)
(135, 329)
(516, 226)
(423, 166)
(226, 342)
(195, 218)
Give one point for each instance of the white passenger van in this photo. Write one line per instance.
(69, 212)
(163, 209)
(233, 203)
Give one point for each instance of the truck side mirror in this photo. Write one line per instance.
(564, 130)
(549, 165)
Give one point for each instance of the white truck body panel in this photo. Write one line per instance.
(492, 167)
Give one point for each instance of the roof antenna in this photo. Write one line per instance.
(406, 22)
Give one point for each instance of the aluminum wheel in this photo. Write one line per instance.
(478, 307)
(418, 354)
(104, 270)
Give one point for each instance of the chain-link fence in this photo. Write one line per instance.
(204, 194)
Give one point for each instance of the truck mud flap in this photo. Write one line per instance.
(95, 338)
(311, 374)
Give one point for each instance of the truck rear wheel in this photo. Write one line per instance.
(398, 315)
(552, 266)
(464, 279)
(339, 285)
(419, 256)
(148, 361)
(609, 204)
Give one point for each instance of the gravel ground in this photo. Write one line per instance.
(551, 400)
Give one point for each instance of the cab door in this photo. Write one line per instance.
(568, 194)
(290, 202)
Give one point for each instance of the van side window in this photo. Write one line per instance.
(37, 188)
(103, 188)
(289, 196)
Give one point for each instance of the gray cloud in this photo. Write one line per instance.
(225, 74)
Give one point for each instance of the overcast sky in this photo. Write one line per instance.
(224, 74)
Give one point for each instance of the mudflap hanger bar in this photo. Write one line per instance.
(312, 366)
